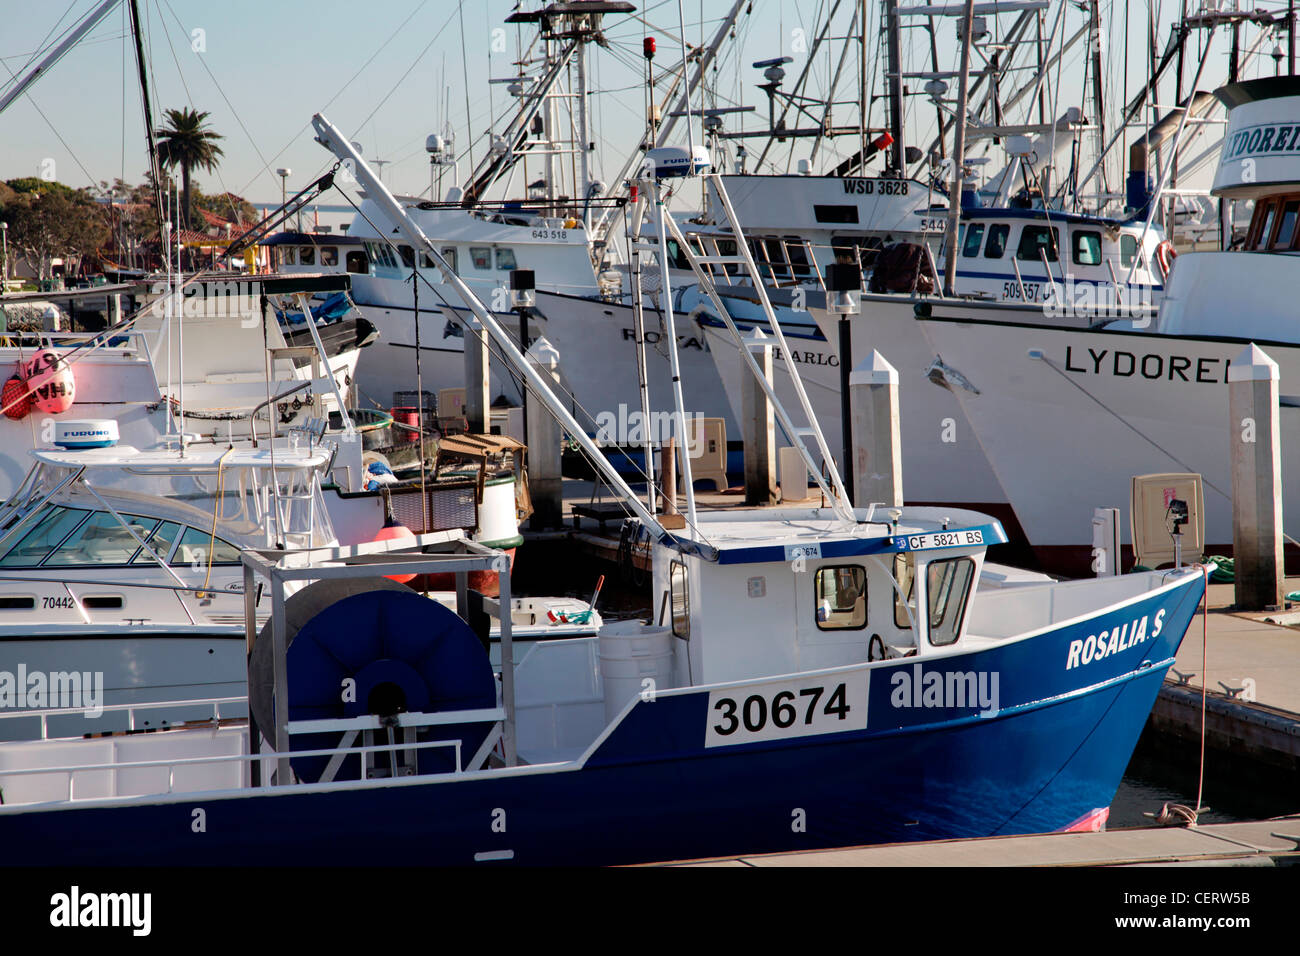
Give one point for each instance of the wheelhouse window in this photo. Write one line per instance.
(1087, 248)
(727, 247)
(1264, 224)
(1286, 225)
(680, 599)
(797, 252)
(996, 245)
(198, 548)
(774, 253)
(329, 256)
(1035, 242)
(841, 596)
(1127, 250)
(102, 540)
(904, 577)
(51, 527)
(676, 258)
(481, 256)
(947, 586)
(835, 213)
(970, 247)
(306, 255)
(289, 255)
(358, 263)
(506, 260)
(408, 256)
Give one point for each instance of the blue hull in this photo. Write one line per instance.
(653, 790)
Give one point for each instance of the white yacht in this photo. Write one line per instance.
(142, 594)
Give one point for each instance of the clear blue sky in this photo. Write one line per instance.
(278, 61)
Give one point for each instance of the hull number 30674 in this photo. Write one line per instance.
(822, 705)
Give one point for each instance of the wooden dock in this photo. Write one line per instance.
(1250, 669)
(1261, 843)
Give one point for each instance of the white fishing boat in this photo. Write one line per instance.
(1097, 406)
(141, 594)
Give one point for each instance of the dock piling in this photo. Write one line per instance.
(477, 397)
(1256, 461)
(545, 436)
(668, 475)
(877, 449)
(759, 426)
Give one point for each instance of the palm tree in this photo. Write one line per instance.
(186, 142)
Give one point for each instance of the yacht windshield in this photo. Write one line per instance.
(52, 526)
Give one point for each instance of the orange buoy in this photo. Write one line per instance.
(52, 382)
(392, 531)
(14, 399)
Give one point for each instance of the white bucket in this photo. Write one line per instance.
(630, 653)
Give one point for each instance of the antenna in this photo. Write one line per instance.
(681, 24)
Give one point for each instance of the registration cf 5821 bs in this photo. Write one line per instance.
(940, 539)
(803, 707)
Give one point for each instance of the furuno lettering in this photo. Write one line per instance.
(1096, 647)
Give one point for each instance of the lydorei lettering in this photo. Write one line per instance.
(1099, 646)
(1152, 365)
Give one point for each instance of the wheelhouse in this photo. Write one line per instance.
(843, 595)
(301, 252)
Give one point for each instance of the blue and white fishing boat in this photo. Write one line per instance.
(815, 682)
(813, 677)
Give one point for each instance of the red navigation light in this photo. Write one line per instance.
(648, 47)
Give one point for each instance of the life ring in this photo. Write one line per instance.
(50, 379)
(1165, 256)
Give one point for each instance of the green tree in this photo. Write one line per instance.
(228, 206)
(188, 143)
(32, 185)
(60, 223)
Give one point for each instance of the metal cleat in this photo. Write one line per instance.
(1232, 692)
(1183, 679)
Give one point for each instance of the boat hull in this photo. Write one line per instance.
(1066, 432)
